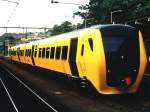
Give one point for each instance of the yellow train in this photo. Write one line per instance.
(111, 57)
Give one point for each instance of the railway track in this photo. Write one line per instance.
(53, 90)
(16, 96)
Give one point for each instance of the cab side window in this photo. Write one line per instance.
(82, 50)
(90, 40)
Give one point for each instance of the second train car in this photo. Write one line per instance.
(111, 57)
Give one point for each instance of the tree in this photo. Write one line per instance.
(66, 27)
(62, 28)
(6, 36)
(55, 30)
(100, 10)
(3, 38)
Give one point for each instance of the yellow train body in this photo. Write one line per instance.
(78, 54)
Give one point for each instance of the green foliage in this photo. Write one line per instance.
(99, 10)
(63, 28)
(6, 36)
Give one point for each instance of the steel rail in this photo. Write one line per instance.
(32, 91)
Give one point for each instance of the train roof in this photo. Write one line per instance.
(72, 34)
(18, 45)
(111, 25)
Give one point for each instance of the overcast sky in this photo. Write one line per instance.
(37, 13)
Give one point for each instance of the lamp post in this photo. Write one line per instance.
(111, 15)
(137, 22)
(10, 1)
(52, 1)
(85, 19)
(149, 19)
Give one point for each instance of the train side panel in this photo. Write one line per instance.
(28, 53)
(15, 56)
(49, 56)
(89, 51)
(21, 53)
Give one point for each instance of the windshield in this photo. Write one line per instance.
(112, 44)
(121, 49)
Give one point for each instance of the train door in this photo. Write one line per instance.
(18, 53)
(82, 57)
(25, 54)
(32, 55)
(72, 57)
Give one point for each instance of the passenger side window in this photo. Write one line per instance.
(26, 52)
(58, 50)
(22, 52)
(29, 52)
(19, 52)
(52, 52)
(47, 52)
(40, 51)
(64, 52)
(43, 53)
(35, 53)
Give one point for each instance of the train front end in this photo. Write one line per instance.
(125, 59)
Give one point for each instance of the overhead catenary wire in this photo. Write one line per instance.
(138, 19)
(10, 1)
(12, 14)
(52, 1)
(14, 10)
